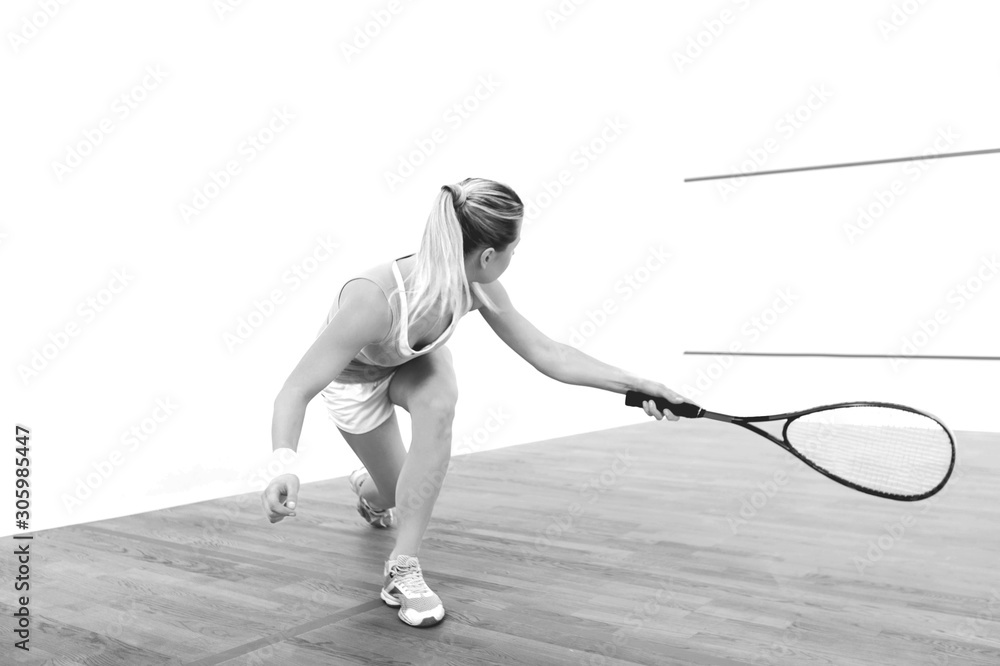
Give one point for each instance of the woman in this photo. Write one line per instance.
(383, 345)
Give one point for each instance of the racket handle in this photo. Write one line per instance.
(686, 409)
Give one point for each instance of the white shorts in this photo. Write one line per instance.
(359, 408)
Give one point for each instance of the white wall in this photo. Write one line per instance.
(556, 86)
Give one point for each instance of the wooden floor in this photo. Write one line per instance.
(624, 546)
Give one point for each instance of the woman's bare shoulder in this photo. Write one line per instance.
(491, 290)
(363, 302)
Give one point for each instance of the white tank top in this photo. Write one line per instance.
(378, 359)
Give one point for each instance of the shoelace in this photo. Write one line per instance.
(374, 511)
(410, 579)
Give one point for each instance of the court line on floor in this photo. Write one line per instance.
(271, 639)
(246, 648)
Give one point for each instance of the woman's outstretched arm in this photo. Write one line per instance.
(563, 362)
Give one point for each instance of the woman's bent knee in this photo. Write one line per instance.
(437, 401)
(437, 410)
(436, 397)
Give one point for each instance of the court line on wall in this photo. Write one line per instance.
(846, 164)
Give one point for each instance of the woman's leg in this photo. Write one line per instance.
(382, 453)
(426, 388)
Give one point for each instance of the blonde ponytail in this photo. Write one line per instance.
(468, 216)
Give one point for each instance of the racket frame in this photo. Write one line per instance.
(748, 421)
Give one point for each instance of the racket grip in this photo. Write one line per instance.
(686, 409)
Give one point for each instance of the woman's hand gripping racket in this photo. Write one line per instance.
(879, 448)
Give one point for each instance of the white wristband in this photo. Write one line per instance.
(283, 461)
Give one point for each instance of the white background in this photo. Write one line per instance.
(689, 89)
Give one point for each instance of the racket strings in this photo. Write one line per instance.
(888, 451)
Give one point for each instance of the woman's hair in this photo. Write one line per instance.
(472, 215)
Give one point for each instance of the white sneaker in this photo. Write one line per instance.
(404, 587)
(374, 517)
